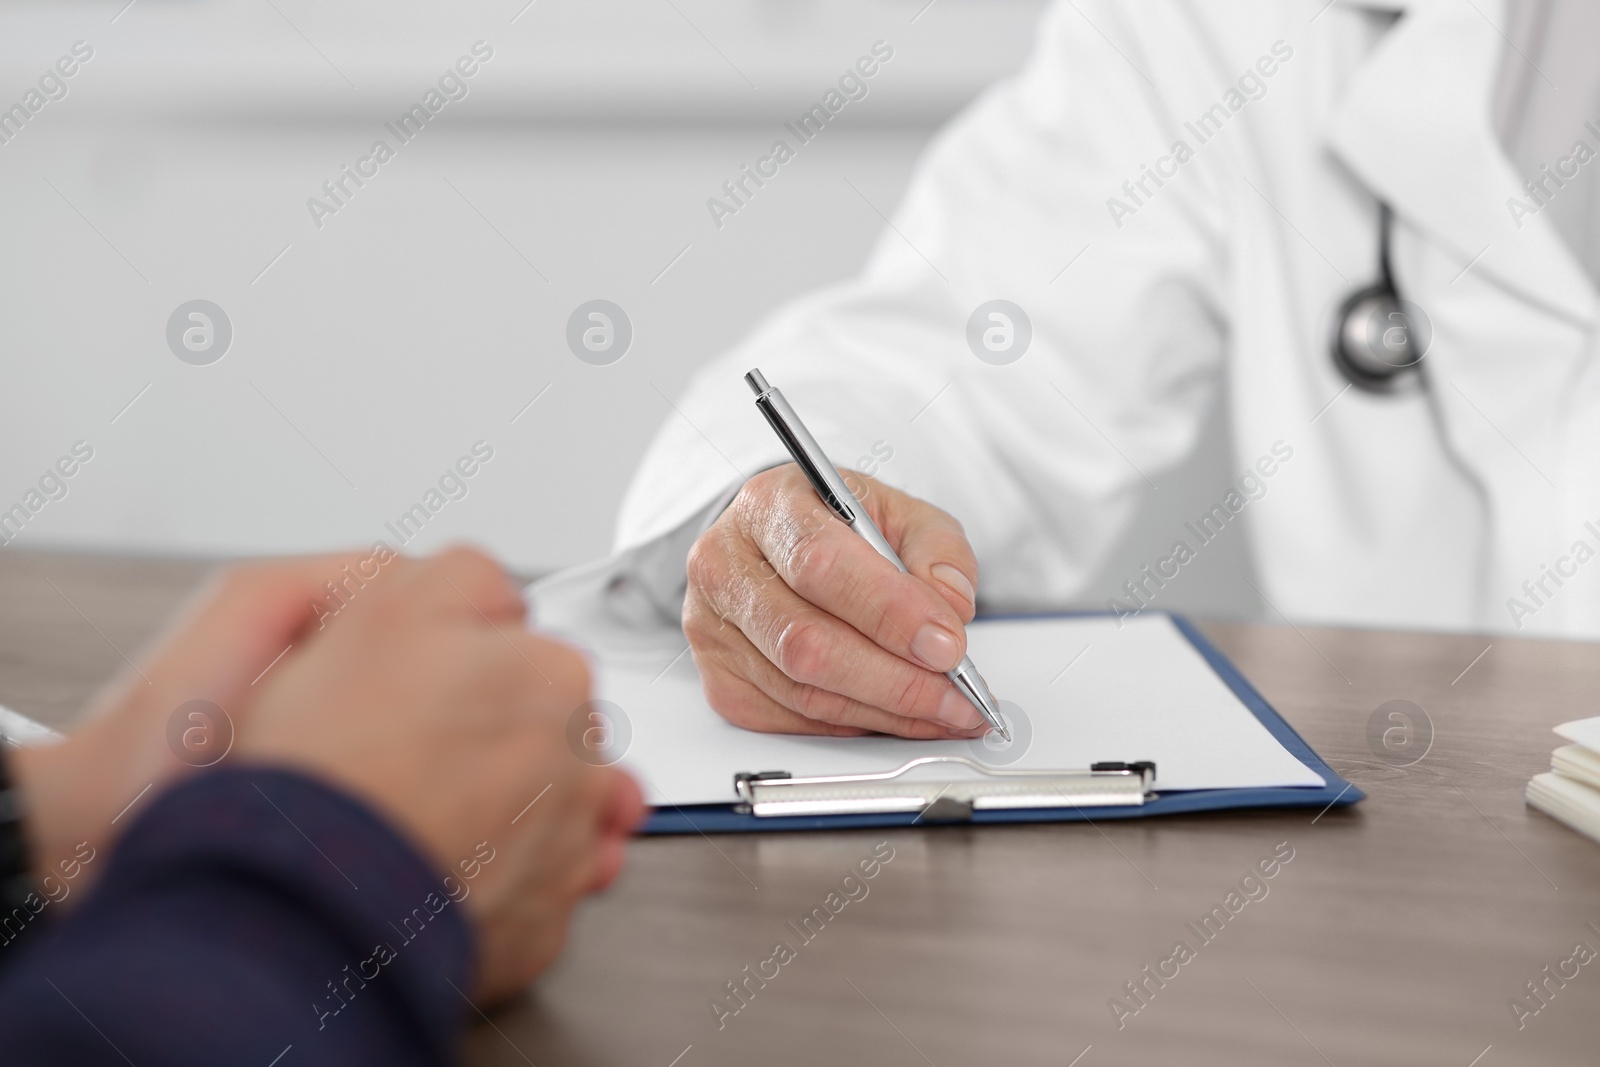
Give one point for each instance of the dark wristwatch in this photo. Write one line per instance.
(16, 876)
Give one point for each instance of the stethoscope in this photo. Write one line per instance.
(1378, 343)
(1378, 340)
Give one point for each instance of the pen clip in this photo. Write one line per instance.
(802, 458)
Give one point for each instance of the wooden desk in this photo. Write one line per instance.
(1396, 935)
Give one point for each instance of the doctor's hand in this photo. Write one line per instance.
(798, 626)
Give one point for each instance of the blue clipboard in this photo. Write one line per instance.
(724, 819)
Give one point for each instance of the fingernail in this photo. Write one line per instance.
(936, 647)
(957, 581)
(957, 711)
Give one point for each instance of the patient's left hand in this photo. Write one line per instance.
(232, 631)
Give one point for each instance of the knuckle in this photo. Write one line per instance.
(470, 570)
(804, 648)
(464, 562)
(704, 566)
(466, 557)
(777, 482)
(693, 629)
(782, 490)
(813, 554)
(757, 496)
(458, 565)
(703, 626)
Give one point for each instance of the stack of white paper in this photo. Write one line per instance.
(1570, 790)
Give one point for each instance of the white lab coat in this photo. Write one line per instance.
(1412, 511)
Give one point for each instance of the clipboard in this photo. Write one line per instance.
(946, 798)
(983, 795)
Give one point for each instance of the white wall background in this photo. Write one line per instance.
(378, 348)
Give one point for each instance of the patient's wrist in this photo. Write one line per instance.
(50, 789)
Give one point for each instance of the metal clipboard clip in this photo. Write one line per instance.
(1103, 785)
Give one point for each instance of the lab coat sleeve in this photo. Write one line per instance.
(1042, 459)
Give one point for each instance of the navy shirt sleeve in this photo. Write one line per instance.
(249, 916)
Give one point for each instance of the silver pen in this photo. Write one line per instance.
(824, 478)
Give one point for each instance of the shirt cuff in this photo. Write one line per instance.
(637, 589)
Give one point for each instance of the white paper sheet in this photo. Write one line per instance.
(1585, 732)
(1088, 691)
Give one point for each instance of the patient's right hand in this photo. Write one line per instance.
(798, 626)
(430, 699)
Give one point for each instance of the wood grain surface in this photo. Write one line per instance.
(1397, 934)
